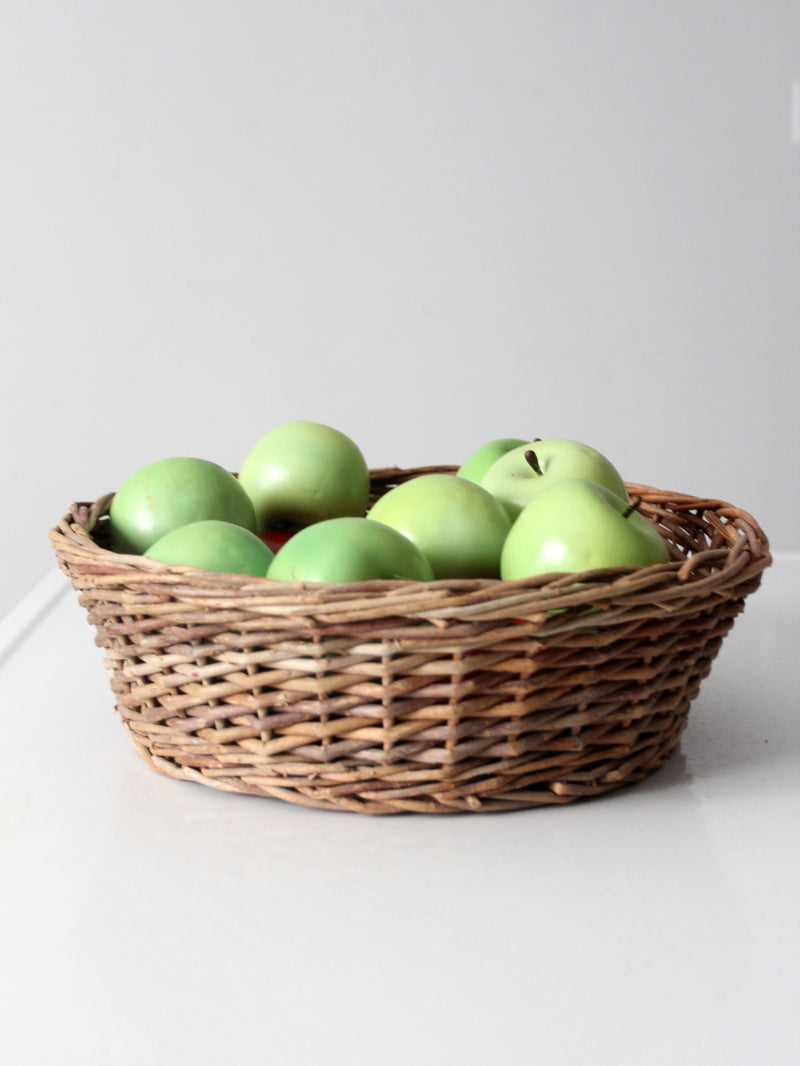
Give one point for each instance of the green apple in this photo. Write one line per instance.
(519, 475)
(349, 549)
(212, 545)
(458, 526)
(170, 493)
(576, 525)
(304, 472)
(479, 462)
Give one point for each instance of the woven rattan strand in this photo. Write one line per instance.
(389, 697)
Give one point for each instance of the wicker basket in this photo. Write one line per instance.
(384, 697)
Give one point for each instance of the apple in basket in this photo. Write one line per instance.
(458, 526)
(575, 525)
(349, 549)
(170, 493)
(277, 537)
(523, 472)
(304, 472)
(477, 464)
(212, 545)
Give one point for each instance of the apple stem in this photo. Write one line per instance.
(632, 506)
(533, 462)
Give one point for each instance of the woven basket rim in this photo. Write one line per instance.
(741, 550)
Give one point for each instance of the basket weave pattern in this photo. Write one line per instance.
(385, 697)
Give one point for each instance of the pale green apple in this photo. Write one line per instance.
(349, 549)
(479, 462)
(304, 472)
(576, 525)
(213, 545)
(519, 475)
(170, 493)
(458, 526)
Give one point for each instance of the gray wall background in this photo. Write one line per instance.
(426, 223)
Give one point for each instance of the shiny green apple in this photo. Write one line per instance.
(170, 493)
(523, 472)
(458, 526)
(576, 525)
(349, 549)
(304, 472)
(213, 545)
(476, 465)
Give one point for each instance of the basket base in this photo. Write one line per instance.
(514, 785)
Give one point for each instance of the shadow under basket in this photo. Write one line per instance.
(399, 696)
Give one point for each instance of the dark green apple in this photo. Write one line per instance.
(523, 472)
(458, 526)
(479, 462)
(349, 549)
(304, 472)
(212, 545)
(576, 525)
(170, 493)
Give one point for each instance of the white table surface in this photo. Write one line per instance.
(151, 921)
